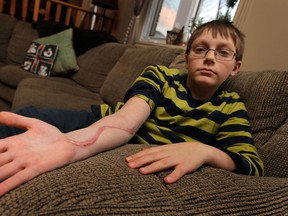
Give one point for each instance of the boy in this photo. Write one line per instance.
(208, 125)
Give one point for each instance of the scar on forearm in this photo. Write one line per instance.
(97, 135)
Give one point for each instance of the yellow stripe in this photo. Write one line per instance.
(208, 126)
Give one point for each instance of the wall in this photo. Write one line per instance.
(262, 21)
(264, 24)
(125, 13)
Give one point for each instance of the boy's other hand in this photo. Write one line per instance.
(183, 157)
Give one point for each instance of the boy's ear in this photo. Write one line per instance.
(236, 68)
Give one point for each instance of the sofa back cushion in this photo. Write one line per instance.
(6, 29)
(95, 64)
(19, 43)
(179, 62)
(265, 95)
(130, 66)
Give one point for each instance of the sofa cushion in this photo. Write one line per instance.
(6, 29)
(96, 63)
(265, 95)
(130, 66)
(66, 61)
(275, 153)
(54, 92)
(40, 58)
(7, 93)
(104, 185)
(19, 43)
(179, 62)
(12, 75)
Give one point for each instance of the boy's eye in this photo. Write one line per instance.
(199, 50)
(224, 52)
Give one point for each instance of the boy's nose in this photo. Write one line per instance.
(210, 55)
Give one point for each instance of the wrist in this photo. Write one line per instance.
(220, 159)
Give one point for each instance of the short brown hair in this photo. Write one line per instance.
(225, 29)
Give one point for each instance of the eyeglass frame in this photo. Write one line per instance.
(216, 54)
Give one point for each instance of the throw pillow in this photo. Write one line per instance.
(83, 39)
(66, 61)
(40, 58)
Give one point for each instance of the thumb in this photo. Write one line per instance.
(15, 120)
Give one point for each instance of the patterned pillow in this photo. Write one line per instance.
(66, 61)
(40, 58)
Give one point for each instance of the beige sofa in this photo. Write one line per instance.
(104, 185)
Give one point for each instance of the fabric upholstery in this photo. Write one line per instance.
(130, 66)
(5, 105)
(96, 64)
(54, 92)
(12, 75)
(265, 95)
(6, 93)
(104, 185)
(275, 153)
(179, 62)
(6, 29)
(22, 35)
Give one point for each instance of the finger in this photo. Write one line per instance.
(143, 152)
(146, 159)
(14, 120)
(157, 166)
(9, 170)
(5, 158)
(13, 182)
(175, 175)
(3, 148)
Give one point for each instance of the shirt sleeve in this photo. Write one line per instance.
(234, 137)
(148, 86)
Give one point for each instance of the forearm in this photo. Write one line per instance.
(99, 137)
(110, 131)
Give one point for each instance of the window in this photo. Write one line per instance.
(165, 15)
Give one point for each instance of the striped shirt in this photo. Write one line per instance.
(176, 117)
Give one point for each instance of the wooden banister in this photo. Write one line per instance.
(1, 6)
(71, 13)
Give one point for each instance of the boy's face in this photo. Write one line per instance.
(208, 71)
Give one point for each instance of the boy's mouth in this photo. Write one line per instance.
(206, 71)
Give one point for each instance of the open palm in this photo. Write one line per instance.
(22, 157)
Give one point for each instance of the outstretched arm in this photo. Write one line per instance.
(43, 147)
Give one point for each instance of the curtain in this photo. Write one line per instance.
(130, 36)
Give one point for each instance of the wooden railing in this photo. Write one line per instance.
(74, 15)
(13, 4)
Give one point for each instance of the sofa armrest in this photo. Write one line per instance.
(103, 184)
(274, 153)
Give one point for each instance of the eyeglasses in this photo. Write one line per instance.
(220, 54)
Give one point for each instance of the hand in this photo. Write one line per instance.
(40, 149)
(184, 157)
